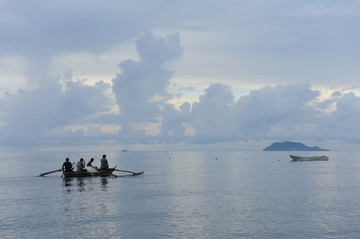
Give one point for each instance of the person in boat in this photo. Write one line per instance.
(104, 163)
(89, 164)
(67, 166)
(80, 166)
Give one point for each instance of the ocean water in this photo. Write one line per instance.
(182, 195)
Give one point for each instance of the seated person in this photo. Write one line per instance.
(89, 164)
(104, 163)
(80, 166)
(67, 166)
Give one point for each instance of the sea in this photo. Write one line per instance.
(212, 194)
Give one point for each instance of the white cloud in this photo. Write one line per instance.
(212, 116)
(31, 117)
(141, 88)
(343, 122)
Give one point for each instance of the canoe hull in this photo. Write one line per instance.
(100, 173)
(314, 158)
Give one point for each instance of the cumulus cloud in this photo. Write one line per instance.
(268, 106)
(343, 122)
(141, 88)
(173, 123)
(269, 112)
(212, 116)
(281, 112)
(29, 117)
(68, 111)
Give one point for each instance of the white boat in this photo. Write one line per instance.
(313, 158)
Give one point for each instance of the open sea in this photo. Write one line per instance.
(233, 194)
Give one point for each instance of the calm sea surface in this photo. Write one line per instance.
(182, 195)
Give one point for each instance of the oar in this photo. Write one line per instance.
(54, 171)
(127, 175)
(125, 171)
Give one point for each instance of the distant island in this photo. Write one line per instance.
(292, 146)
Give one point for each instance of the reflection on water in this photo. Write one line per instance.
(104, 183)
(85, 183)
(88, 203)
(68, 182)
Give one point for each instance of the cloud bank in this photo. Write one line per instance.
(262, 42)
(135, 109)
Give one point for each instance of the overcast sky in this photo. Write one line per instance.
(162, 74)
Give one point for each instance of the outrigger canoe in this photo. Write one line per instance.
(94, 172)
(97, 173)
(314, 158)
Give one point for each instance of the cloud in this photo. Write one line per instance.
(47, 28)
(265, 42)
(211, 116)
(196, 28)
(39, 30)
(141, 88)
(272, 104)
(327, 9)
(173, 123)
(282, 112)
(343, 122)
(263, 113)
(30, 117)
(62, 111)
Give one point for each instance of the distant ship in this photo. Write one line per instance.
(124, 150)
(313, 158)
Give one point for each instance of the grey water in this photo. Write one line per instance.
(230, 194)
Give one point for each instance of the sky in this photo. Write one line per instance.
(179, 75)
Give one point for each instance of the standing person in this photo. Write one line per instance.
(104, 163)
(80, 166)
(67, 166)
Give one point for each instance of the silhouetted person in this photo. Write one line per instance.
(89, 164)
(104, 163)
(67, 166)
(80, 166)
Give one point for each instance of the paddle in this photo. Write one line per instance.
(54, 171)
